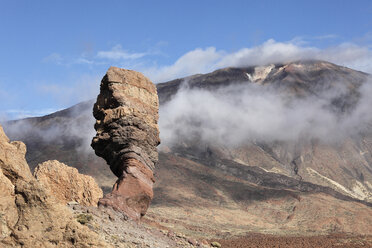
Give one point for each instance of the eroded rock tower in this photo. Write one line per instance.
(127, 136)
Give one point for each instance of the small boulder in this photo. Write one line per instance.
(215, 244)
(67, 184)
(192, 242)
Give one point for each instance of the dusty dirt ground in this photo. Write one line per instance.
(120, 232)
(271, 241)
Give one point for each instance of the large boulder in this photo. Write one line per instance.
(127, 136)
(29, 215)
(67, 184)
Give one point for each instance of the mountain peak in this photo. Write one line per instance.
(302, 77)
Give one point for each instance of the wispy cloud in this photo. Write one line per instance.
(58, 59)
(117, 53)
(13, 114)
(53, 58)
(196, 61)
(325, 37)
(83, 61)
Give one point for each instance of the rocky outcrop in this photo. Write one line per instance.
(127, 136)
(29, 215)
(67, 184)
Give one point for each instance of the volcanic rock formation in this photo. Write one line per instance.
(29, 215)
(127, 136)
(67, 184)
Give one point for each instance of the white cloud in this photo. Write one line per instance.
(117, 53)
(83, 61)
(57, 58)
(238, 114)
(325, 37)
(196, 61)
(350, 55)
(53, 58)
(271, 51)
(14, 114)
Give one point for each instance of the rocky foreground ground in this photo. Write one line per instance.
(270, 241)
(116, 229)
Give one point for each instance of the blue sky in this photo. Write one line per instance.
(54, 53)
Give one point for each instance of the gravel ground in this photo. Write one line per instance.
(116, 229)
(270, 241)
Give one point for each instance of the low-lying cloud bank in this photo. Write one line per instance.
(229, 116)
(248, 112)
(75, 129)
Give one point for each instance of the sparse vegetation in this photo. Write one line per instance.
(215, 244)
(84, 218)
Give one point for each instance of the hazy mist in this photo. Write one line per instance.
(251, 112)
(231, 116)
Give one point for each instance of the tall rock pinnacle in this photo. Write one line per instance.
(127, 136)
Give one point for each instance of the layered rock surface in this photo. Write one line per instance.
(29, 215)
(127, 136)
(67, 184)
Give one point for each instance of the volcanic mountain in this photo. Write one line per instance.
(308, 173)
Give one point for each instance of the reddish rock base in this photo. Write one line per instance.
(132, 192)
